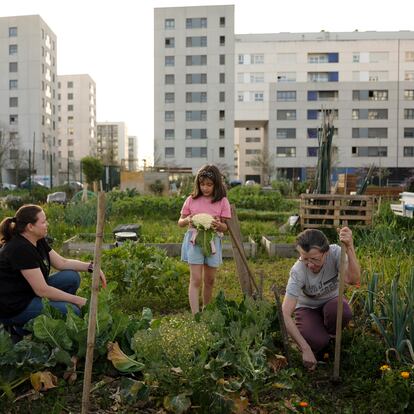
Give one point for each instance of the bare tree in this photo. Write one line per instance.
(265, 164)
(5, 145)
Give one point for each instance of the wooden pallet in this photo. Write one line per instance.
(331, 211)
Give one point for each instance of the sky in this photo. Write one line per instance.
(112, 41)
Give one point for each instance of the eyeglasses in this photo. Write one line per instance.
(313, 260)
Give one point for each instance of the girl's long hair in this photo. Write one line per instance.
(211, 172)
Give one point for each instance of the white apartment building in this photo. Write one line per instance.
(132, 163)
(77, 136)
(194, 87)
(112, 143)
(282, 83)
(28, 116)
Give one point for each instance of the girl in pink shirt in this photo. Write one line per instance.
(208, 196)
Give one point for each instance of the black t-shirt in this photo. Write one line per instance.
(16, 255)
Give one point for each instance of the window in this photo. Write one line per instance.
(197, 78)
(12, 66)
(169, 79)
(322, 95)
(378, 57)
(370, 95)
(409, 113)
(222, 78)
(222, 114)
(369, 151)
(409, 56)
(196, 152)
(408, 151)
(196, 60)
(408, 132)
(222, 96)
(369, 114)
(369, 133)
(319, 113)
(13, 84)
(252, 77)
(12, 49)
(169, 134)
(70, 107)
(286, 76)
(409, 94)
(13, 119)
(409, 75)
(222, 40)
(70, 84)
(253, 151)
(169, 24)
(196, 97)
(12, 31)
(285, 133)
(196, 133)
(169, 97)
(286, 114)
(222, 133)
(376, 76)
(323, 76)
(13, 102)
(169, 42)
(70, 142)
(323, 57)
(222, 59)
(283, 152)
(169, 60)
(196, 23)
(312, 133)
(70, 96)
(196, 41)
(222, 22)
(196, 115)
(221, 152)
(70, 118)
(169, 152)
(252, 139)
(251, 59)
(286, 96)
(169, 116)
(312, 151)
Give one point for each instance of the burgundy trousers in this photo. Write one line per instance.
(318, 325)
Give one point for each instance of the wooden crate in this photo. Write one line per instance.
(346, 183)
(331, 211)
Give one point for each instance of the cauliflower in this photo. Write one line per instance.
(202, 219)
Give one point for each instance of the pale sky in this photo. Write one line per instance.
(112, 41)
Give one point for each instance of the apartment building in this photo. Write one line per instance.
(28, 116)
(132, 164)
(282, 84)
(77, 137)
(112, 143)
(194, 87)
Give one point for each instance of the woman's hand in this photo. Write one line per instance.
(309, 360)
(218, 225)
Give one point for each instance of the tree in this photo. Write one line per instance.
(5, 145)
(92, 168)
(265, 164)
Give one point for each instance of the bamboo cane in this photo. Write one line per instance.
(338, 336)
(94, 303)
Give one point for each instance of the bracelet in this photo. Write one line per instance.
(90, 267)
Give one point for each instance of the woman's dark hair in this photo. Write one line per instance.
(312, 239)
(210, 172)
(12, 226)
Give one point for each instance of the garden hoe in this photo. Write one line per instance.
(339, 314)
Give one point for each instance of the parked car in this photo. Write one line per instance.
(74, 185)
(7, 186)
(34, 183)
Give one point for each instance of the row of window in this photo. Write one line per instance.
(192, 97)
(193, 41)
(371, 114)
(193, 133)
(317, 58)
(193, 60)
(193, 78)
(193, 23)
(192, 152)
(169, 116)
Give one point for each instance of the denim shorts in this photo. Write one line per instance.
(193, 254)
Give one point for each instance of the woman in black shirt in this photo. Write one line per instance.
(25, 261)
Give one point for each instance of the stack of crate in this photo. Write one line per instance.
(347, 183)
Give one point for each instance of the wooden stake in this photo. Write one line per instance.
(94, 303)
(339, 313)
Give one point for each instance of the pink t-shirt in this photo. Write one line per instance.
(204, 205)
